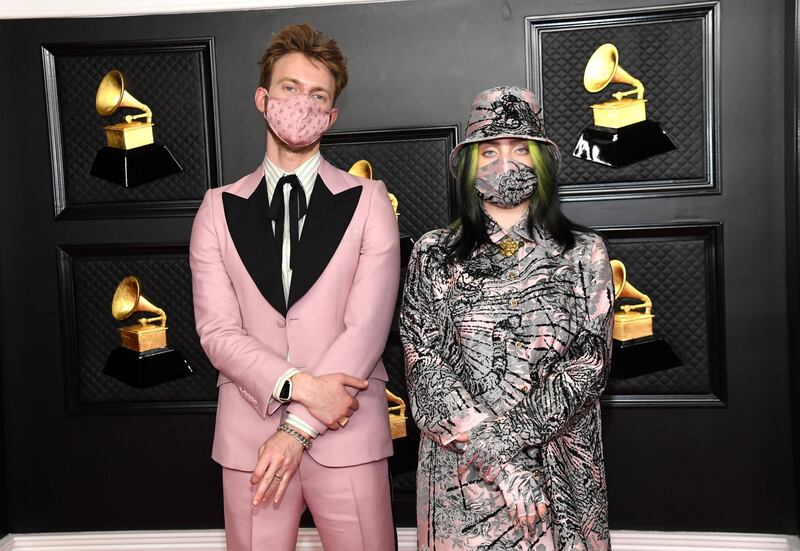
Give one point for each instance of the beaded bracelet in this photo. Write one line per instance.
(296, 435)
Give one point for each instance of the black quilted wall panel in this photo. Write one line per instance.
(175, 80)
(413, 165)
(89, 276)
(671, 54)
(678, 268)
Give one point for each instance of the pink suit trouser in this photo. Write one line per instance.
(350, 505)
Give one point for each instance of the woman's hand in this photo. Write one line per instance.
(488, 449)
(524, 495)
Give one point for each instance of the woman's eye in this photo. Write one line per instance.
(489, 153)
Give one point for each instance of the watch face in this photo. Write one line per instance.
(286, 390)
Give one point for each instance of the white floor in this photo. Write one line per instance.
(214, 540)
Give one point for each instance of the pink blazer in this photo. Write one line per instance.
(340, 307)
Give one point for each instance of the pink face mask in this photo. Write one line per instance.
(297, 120)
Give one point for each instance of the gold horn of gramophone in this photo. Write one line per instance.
(397, 415)
(142, 336)
(631, 321)
(363, 169)
(111, 95)
(601, 70)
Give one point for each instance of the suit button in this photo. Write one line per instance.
(513, 303)
(281, 323)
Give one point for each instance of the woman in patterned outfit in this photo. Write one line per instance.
(506, 324)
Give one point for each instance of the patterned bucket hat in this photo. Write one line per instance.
(504, 112)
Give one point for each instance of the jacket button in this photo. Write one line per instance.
(525, 388)
(281, 323)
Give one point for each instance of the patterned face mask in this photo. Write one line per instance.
(297, 120)
(505, 183)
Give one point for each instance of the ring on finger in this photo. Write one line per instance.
(278, 476)
(343, 421)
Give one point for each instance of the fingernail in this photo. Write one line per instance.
(255, 503)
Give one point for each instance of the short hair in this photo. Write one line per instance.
(311, 43)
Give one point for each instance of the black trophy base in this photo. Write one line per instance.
(134, 167)
(406, 244)
(642, 356)
(146, 369)
(616, 147)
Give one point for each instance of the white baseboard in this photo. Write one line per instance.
(214, 540)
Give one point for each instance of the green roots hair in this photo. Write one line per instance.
(545, 211)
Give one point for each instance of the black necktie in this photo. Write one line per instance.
(297, 209)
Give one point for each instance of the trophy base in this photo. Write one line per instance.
(146, 369)
(617, 147)
(641, 356)
(406, 244)
(134, 167)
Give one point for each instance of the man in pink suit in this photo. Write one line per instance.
(295, 269)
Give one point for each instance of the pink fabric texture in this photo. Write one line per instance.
(339, 325)
(350, 506)
(297, 120)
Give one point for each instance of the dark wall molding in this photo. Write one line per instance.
(87, 390)
(792, 203)
(133, 202)
(413, 164)
(707, 364)
(644, 179)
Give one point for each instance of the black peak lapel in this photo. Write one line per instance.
(251, 232)
(326, 221)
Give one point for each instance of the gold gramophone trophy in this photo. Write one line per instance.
(622, 134)
(131, 157)
(143, 359)
(363, 169)
(397, 407)
(636, 350)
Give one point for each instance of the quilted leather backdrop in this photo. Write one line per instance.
(413, 165)
(676, 271)
(166, 282)
(670, 60)
(175, 85)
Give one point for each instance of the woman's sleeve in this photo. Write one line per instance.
(440, 405)
(573, 384)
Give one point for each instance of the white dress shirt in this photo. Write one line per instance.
(307, 174)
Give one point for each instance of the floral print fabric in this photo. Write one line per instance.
(513, 351)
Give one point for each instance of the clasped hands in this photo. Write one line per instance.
(522, 489)
(327, 399)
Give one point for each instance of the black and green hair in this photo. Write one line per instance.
(545, 209)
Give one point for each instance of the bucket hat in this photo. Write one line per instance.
(504, 112)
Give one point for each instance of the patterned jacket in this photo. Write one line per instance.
(514, 350)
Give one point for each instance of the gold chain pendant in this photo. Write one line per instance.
(509, 247)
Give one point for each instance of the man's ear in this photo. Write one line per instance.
(334, 116)
(261, 99)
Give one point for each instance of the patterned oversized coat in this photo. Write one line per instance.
(514, 351)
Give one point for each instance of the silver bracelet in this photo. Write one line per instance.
(296, 435)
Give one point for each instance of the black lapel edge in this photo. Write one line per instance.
(251, 233)
(326, 221)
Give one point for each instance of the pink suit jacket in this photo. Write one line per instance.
(340, 307)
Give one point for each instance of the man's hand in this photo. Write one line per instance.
(278, 459)
(326, 397)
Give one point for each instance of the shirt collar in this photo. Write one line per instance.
(518, 231)
(306, 173)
